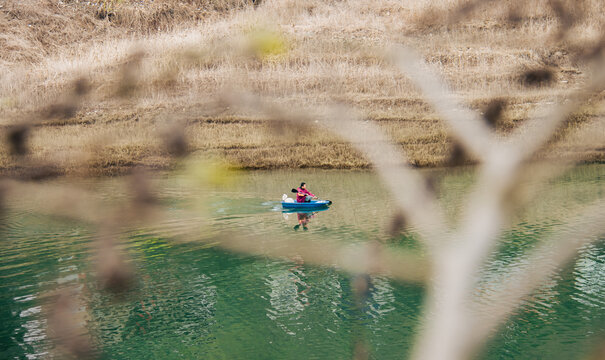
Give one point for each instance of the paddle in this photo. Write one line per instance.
(296, 192)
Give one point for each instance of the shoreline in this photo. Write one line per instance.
(45, 172)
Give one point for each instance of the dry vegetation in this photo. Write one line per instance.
(145, 66)
(94, 88)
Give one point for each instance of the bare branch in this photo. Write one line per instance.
(544, 262)
(368, 258)
(56, 200)
(527, 140)
(81, 205)
(450, 322)
(466, 125)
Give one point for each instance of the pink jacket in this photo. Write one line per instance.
(300, 198)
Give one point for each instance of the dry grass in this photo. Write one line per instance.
(187, 52)
(257, 85)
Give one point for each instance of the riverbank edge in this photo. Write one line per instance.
(44, 172)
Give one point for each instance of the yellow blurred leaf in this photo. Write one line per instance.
(267, 44)
(211, 172)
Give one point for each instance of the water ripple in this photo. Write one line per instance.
(195, 301)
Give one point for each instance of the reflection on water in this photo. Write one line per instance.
(303, 218)
(589, 278)
(196, 301)
(288, 295)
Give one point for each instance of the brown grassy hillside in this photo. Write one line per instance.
(103, 85)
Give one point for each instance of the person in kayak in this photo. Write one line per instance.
(303, 195)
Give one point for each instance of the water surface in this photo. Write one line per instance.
(193, 300)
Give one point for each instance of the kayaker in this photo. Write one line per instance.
(303, 195)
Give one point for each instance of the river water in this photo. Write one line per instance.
(194, 300)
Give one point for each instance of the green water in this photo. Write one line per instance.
(193, 300)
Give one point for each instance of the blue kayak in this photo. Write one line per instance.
(310, 205)
(304, 211)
